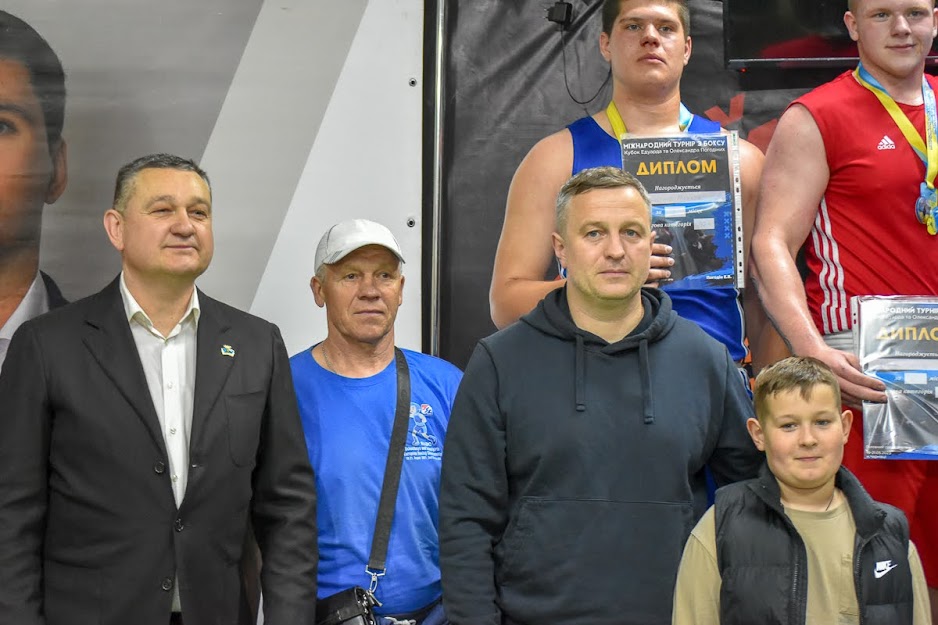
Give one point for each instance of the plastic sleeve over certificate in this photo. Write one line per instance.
(693, 183)
(896, 340)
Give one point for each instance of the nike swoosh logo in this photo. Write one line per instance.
(879, 573)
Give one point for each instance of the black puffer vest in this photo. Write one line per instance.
(764, 566)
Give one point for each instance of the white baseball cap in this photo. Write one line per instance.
(344, 238)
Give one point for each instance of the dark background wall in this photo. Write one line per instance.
(505, 90)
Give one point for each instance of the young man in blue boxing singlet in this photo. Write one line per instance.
(647, 44)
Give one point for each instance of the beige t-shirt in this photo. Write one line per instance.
(832, 599)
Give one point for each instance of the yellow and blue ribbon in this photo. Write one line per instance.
(619, 129)
(926, 206)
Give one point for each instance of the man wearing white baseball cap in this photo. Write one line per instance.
(346, 387)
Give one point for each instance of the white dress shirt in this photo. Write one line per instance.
(169, 367)
(34, 303)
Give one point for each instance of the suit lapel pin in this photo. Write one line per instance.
(227, 350)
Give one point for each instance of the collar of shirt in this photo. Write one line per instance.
(35, 303)
(135, 313)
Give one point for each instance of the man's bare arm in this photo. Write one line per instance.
(765, 345)
(524, 248)
(793, 181)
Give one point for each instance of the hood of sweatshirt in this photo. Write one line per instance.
(552, 317)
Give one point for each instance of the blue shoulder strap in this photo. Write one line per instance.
(703, 125)
(593, 146)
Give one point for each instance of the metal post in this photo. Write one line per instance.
(437, 206)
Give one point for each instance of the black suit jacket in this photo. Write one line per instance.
(89, 529)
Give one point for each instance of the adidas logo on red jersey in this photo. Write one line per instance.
(886, 144)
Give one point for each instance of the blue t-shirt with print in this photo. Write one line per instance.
(347, 423)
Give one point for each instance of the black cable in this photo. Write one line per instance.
(566, 83)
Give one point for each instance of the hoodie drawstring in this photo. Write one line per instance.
(579, 392)
(552, 318)
(648, 402)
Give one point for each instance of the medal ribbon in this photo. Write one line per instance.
(927, 150)
(618, 126)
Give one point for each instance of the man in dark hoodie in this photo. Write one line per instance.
(573, 469)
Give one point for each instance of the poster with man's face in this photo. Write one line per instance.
(30, 172)
(268, 97)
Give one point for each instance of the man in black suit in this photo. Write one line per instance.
(32, 169)
(142, 428)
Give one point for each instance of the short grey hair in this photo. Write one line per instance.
(596, 178)
(127, 174)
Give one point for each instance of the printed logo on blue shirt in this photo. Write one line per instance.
(421, 444)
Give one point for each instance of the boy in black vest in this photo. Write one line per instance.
(803, 542)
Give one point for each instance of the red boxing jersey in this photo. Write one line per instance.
(866, 239)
